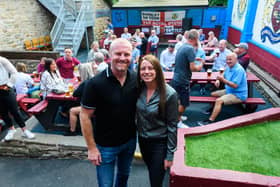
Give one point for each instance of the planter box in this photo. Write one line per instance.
(183, 175)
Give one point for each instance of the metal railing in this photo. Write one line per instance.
(83, 18)
(85, 15)
(58, 27)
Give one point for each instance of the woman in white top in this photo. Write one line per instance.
(23, 80)
(51, 78)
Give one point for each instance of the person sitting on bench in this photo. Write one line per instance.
(236, 88)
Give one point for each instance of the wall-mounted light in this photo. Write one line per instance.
(213, 18)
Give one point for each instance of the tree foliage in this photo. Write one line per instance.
(218, 2)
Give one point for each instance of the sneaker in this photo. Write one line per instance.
(184, 118)
(27, 134)
(10, 134)
(182, 125)
(205, 122)
(70, 133)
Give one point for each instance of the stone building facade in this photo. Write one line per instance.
(102, 12)
(22, 20)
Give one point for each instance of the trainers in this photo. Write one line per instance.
(184, 118)
(70, 133)
(205, 122)
(10, 134)
(27, 134)
(182, 125)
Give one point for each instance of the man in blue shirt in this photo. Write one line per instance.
(154, 41)
(135, 55)
(236, 89)
(219, 56)
(126, 34)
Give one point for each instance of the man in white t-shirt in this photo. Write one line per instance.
(167, 58)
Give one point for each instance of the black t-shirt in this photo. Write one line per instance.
(114, 107)
(184, 56)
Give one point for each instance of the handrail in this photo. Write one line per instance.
(58, 26)
(83, 18)
(78, 28)
(71, 7)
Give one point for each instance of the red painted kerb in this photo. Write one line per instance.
(182, 175)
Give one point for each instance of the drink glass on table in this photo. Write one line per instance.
(35, 74)
(70, 88)
(217, 53)
(79, 79)
(67, 93)
(209, 72)
(222, 69)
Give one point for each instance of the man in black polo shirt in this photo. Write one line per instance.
(111, 96)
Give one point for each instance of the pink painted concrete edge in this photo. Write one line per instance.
(179, 170)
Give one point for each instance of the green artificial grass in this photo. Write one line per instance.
(253, 148)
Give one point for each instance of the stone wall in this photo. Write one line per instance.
(22, 20)
(103, 12)
(43, 151)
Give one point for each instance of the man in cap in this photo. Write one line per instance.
(242, 53)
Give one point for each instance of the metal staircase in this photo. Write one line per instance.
(72, 19)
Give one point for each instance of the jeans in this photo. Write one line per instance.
(154, 153)
(9, 105)
(123, 155)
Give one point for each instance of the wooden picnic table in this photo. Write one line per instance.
(47, 117)
(172, 41)
(202, 76)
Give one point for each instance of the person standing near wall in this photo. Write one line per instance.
(8, 101)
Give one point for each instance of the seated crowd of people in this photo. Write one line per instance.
(55, 74)
(130, 93)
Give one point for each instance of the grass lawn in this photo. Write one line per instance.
(253, 148)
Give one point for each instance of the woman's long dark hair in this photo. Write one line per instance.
(48, 62)
(160, 81)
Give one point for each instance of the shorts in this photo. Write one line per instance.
(228, 99)
(183, 92)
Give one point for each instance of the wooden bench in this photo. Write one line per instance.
(25, 103)
(38, 108)
(203, 99)
(251, 104)
(20, 97)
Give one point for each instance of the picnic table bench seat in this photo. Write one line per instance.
(20, 97)
(210, 99)
(39, 107)
(26, 102)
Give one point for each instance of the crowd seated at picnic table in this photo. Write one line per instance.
(57, 74)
